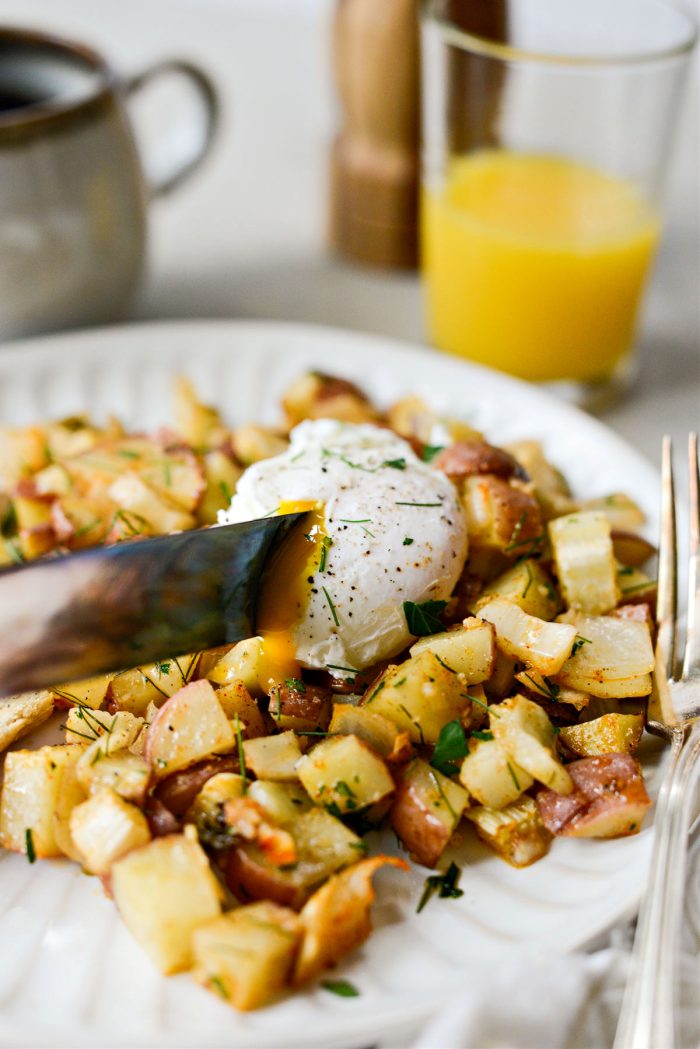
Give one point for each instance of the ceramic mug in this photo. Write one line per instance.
(73, 193)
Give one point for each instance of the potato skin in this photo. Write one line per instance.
(249, 877)
(609, 799)
(423, 834)
(179, 790)
(466, 458)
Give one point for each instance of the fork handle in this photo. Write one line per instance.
(648, 1016)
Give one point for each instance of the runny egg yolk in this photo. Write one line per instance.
(285, 590)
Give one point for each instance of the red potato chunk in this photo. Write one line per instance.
(466, 458)
(609, 799)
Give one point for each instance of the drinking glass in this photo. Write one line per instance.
(547, 130)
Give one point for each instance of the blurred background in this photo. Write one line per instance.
(247, 236)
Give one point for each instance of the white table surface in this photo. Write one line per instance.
(246, 237)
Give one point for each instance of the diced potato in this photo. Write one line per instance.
(114, 731)
(516, 833)
(609, 799)
(336, 919)
(621, 511)
(420, 696)
(23, 451)
(135, 497)
(301, 707)
(32, 786)
(551, 490)
(31, 512)
(585, 564)
(381, 734)
(528, 737)
(199, 424)
(284, 802)
(247, 955)
(609, 734)
(221, 477)
(90, 692)
(527, 585)
(70, 792)
(128, 775)
(631, 549)
(134, 690)
(536, 682)
(252, 443)
(635, 585)
(491, 776)
(323, 844)
(615, 659)
(426, 810)
(21, 714)
(500, 684)
(243, 662)
(318, 396)
(105, 828)
(546, 645)
(501, 516)
(164, 891)
(219, 789)
(250, 822)
(469, 650)
(273, 757)
(189, 727)
(236, 701)
(344, 773)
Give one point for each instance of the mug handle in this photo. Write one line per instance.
(204, 87)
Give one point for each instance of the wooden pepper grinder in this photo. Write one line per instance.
(375, 158)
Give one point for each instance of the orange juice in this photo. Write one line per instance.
(535, 264)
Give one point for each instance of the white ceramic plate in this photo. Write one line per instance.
(70, 975)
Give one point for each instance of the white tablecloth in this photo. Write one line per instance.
(246, 238)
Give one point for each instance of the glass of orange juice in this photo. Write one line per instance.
(547, 127)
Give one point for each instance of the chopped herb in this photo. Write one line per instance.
(377, 690)
(417, 504)
(326, 544)
(127, 453)
(515, 534)
(531, 546)
(579, 642)
(639, 586)
(163, 668)
(348, 670)
(8, 520)
(340, 987)
(361, 846)
(530, 579)
(241, 755)
(480, 734)
(450, 748)
(29, 845)
(444, 664)
(331, 606)
(167, 476)
(430, 451)
(626, 570)
(334, 810)
(296, 684)
(87, 528)
(226, 491)
(545, 687)
(218, 984)
(397, 464)
(422, 619)
(408, 541)
(342, 788)
(480, 703)
(416, 724)
(356, 520)
(513, 776)
(444, 884)
(330, 454)
(14, 553)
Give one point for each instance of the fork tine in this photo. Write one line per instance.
(667, 594)
(691, 659)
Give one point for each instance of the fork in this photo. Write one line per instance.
(648, 1016)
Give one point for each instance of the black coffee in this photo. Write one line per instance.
(37, 73)
(10, 99)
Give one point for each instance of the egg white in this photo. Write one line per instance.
(377, 495)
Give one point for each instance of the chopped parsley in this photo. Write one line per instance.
(450, 748)
(423, 619)
(218, 984)
(430, 451)
(513, 776)
(29, 845)
(13, 551)
(296, 684)
(342, 988)
(408, 541)
(481, 734)
(445, 885)
(397, 464)
(241, 754)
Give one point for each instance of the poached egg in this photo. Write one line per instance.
(383, 528)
